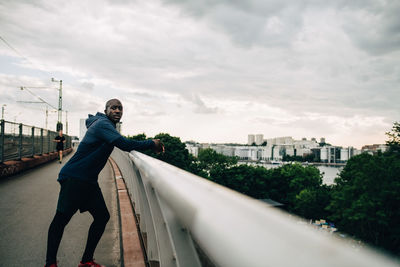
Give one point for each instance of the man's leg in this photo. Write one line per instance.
(56, 231)
(101, 216)
(67, 205)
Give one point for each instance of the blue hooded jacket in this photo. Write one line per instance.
(95, 148)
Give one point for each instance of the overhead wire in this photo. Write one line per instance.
(32, 65)
(23, 57)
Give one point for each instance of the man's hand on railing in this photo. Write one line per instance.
(158, 146)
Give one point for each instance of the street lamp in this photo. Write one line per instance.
(2, 111)
(59, 123)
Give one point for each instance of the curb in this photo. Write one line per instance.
(132, 252)
(11, 167)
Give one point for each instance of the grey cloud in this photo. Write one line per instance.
(88, 86)
(377, 30)
(200, 106)
(151, 114)
(136, 53)
(267, 23)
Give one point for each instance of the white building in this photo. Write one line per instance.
(290, 151)
(266, 153)
(346, 153)
(330, 154)
(278, 152)
(82, 128)
(259, 139)
(242, 152)
(251, 139)
(228, 151)
(286, 140)
(194, 150)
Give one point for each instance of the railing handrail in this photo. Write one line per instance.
(235, 230)
(20, 144)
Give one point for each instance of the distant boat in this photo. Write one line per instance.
(275, 162)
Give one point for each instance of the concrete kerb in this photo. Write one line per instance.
(12, 167)
(132, 250)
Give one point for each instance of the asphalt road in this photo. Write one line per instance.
(27, 205)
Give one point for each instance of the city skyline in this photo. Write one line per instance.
(208, 72)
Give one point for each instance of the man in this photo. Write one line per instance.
(78, 179)
(60, 140)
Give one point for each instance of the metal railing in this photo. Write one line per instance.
(184, 219)
(18, 140)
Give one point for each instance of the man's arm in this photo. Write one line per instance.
(129, 145)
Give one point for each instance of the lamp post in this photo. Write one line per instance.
(2, 111)
(59, 123)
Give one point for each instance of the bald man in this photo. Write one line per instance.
(78, 178)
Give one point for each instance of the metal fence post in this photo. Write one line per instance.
(2, 141)
(20, 142)
(33, 141)
(41, 141)
(48, 141)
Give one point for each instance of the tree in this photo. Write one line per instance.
(139, 137)
(297, 178)
(394, 138)
(311, 203)
(249, 180)
(175, 151)
(209, 158)
(365, 199)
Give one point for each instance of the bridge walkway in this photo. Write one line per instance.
(27, 205)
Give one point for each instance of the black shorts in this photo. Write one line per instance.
(59, 148)
(76, 194)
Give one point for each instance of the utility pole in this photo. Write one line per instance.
(47, 116)
(2, 111)
(66, 122)
(59, 122)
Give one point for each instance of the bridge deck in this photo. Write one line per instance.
(27, 206)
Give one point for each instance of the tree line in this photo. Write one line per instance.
(363, 202)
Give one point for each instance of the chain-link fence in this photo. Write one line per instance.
(18, 140)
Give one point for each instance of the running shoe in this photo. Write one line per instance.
(90, 264)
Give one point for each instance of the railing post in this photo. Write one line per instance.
(33, 141)
(48, 141)
(41, 141)
(20, 142)
(2, 141)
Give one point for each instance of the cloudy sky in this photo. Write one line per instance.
(209, 71)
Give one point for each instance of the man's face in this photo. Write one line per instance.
(114, 111)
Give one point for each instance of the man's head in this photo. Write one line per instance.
(114, 110)
(60, 133)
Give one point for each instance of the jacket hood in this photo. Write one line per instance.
(91, 119)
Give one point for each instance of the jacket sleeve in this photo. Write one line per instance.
(129, 145)
(105, 131)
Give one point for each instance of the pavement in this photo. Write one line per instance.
(27, 206)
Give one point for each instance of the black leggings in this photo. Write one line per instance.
(100, 215)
